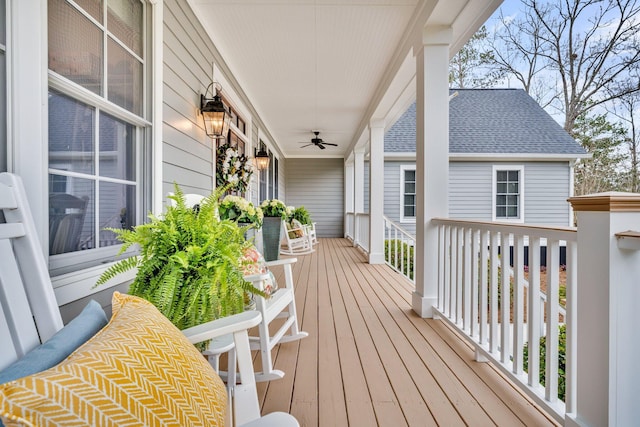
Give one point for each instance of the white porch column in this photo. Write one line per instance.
(358, 188)
(432, 159)
(348, 198)
(608, 336)
(376, 192)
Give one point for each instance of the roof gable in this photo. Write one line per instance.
(490, 121)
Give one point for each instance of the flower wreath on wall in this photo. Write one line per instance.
(232, 168)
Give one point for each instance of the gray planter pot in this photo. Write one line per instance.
(271, 238)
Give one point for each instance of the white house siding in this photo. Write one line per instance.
(318, 184)
(187, 54)
(470, 185)
(546, 190)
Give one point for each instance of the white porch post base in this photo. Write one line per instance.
(376, 258)
(423, 306)
(571, 421)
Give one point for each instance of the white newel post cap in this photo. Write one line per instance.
(607, 311)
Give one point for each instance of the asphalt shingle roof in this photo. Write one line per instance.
(490, 121)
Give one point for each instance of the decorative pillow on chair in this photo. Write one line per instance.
(138, 370)
(58, 347)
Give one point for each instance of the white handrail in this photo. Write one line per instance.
(399, 246)
(476, 281)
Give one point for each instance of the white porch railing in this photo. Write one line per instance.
(399, 249)
(472, 294)
(357, 229)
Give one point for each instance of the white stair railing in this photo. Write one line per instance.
(399, 249)
(476, 282)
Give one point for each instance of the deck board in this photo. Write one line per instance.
(370, 360)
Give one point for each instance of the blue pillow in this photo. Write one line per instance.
(58, 347)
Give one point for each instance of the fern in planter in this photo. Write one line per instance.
(189, 263)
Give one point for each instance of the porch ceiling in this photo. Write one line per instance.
(328, 65)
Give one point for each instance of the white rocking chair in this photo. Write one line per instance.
(29, 313)
(311, 232)
(296, 240)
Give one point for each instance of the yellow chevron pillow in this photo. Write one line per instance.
(138, 370)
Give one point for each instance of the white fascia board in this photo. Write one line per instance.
(501, 157)
(516, 156)
(400, 156)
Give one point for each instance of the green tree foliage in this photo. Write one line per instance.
(603, 140)
(470, 67)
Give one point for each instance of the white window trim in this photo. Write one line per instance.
(500, 167)
(403, 219)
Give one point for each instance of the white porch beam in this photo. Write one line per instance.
(432, 159)
(607, 335)
(376, 192)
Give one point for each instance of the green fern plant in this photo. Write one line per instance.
(301, 214)
(188, 264)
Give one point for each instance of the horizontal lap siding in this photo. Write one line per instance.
(546, 189)
(318, 185)
(546, 193)
(470, 190)
(187, 151)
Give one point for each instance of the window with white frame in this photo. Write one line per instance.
(407, 193)
(99, 155)
(508, 193)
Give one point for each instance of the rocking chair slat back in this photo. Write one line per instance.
(29, 312)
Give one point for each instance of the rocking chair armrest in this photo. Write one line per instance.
(256, 277)
(283, 261)
(226, 325)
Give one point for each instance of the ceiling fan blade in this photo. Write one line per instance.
(330, 143)
(306, 145)
(322, 147)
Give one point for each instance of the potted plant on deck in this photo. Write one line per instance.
(189, 264)
(274, 211)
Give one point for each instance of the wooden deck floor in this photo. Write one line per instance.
(369, 360)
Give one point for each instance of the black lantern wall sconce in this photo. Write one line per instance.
(262, 159)
(215, 114)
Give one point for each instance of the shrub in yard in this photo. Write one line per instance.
(400, 255)
(562, 342)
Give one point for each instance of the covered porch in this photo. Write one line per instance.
(370, 360)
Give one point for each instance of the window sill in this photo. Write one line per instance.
(79, 284)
